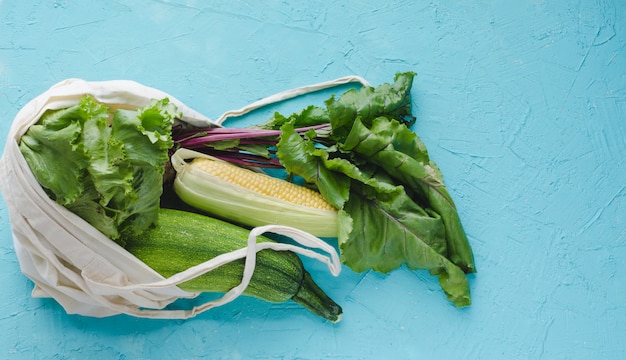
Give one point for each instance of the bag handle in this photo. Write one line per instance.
(292, 93)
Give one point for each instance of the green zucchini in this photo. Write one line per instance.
(183, 239)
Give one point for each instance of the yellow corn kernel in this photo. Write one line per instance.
(262, 183)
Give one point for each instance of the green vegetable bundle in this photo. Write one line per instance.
(107, 171)
(388, 204)
(360, 153)
(107, 167)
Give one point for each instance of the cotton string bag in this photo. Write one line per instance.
(84, 271)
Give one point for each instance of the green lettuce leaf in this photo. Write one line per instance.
(90, 208)
(53, 149)
(146, 137)
(109, 170)
(109, 174)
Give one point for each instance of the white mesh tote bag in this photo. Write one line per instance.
(83, 270)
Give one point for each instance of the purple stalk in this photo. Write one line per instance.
(200, 140)
(250, 160)
(188, 139)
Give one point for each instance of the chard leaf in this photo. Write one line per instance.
(394, 241)
(367, 103)
(396, 210)
(396, 149)
(380, 226)
(236, 144)
(404, 232)
(299, 156)
(375, 199)
(309, 116)
(392, 100)
(256, 149)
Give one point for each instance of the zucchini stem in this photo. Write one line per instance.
(313, 298)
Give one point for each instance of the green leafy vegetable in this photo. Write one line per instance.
(359, 152)
(393, 147)
(106, 168)
(397, 210)
(302, 157)
(389, 100)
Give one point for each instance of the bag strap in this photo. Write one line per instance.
(292, 93)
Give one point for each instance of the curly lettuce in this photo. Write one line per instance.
(105, 167)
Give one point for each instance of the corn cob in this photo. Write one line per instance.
(263, 184)
(252, 198)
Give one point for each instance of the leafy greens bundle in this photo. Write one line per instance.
(360, 153)
(105, 167)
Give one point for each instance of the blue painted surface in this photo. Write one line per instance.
(523, 106)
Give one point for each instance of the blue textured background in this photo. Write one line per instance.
(522, 104)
